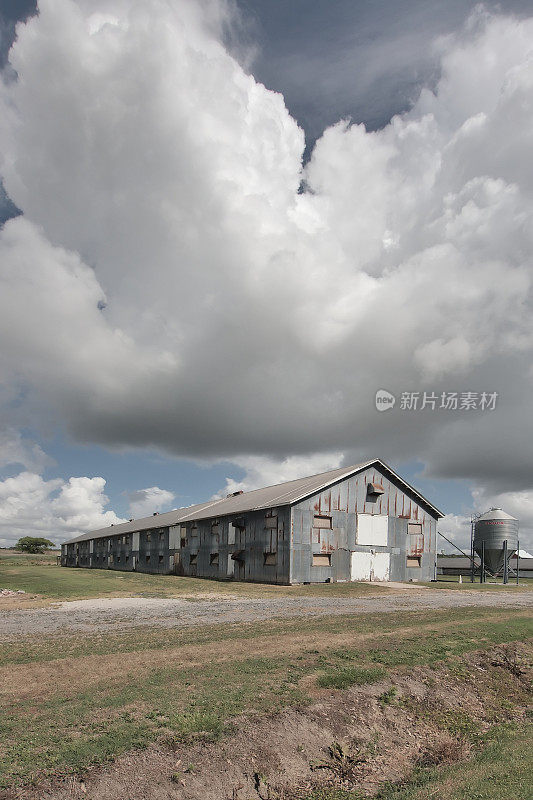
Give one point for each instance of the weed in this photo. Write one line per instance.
(387, 697)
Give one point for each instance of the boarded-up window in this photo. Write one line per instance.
(148, 537)
(414, 561)
(194, 530)
(270, 559)
(372, 529)
(271, 522)
(213, 558)
(321, 560)
(321, 521)
(415, 544)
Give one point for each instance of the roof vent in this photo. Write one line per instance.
(235, 494)
(156, 513)
(131, 520)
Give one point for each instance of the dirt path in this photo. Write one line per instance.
(118, 614)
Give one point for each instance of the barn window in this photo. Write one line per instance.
(194, 530)
(127, 559)
(161, 559)
(270, 559)
(321, 521)
(322, 560)
(213, 558)
(148, 537)
(415, 539)
(161, 536)
(414, 561)
(147, 559)
(118, 559)
(193, 559)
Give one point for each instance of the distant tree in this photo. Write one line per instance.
(33, 544)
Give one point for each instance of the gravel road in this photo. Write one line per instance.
(118, 614)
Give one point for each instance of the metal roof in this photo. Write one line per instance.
(495, 513)
(279, 495)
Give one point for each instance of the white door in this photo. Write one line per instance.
(370, 566)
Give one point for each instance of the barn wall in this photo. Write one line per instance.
(259, 543)
(279, 545)
(344, 503)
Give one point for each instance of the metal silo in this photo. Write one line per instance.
(491, 531)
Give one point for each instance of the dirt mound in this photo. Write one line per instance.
(356, 738)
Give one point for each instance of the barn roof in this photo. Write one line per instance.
(281, 494)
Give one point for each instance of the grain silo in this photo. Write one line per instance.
(495, 538)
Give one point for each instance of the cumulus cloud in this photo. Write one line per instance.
(179, 290)
(144, 502)
(55, 509)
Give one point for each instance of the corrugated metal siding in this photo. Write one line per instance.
(258, 534)
(276, 544)
(343, 502)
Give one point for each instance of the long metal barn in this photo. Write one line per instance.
(355, 523)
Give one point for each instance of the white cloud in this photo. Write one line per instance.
(263, 471)
(144, 502)
(243, 317)
(55, 509)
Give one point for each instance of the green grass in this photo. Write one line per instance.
(40, 575)
(344, 677)
(75, 723)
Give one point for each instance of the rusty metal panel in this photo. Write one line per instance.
(321, 560)
(322, 521)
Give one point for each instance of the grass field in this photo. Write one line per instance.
(40, 575)
(69, 702)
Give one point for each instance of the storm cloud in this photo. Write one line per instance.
(180, 279)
